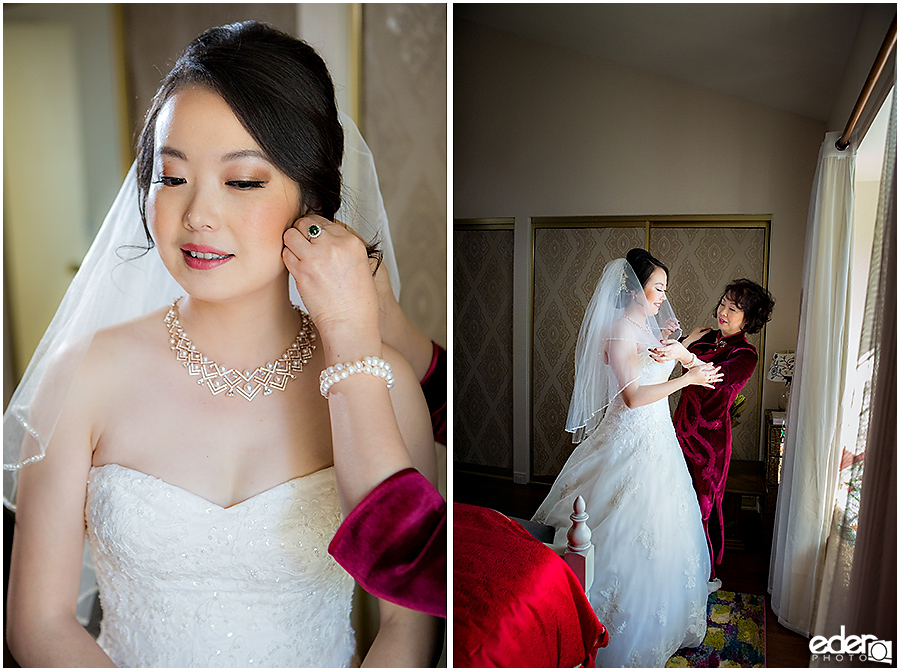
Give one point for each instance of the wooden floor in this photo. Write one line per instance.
(744, 568)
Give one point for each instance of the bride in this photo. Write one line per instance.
(651, 563)
(160, 418)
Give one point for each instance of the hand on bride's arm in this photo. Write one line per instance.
(623, 359)
(706, 375)
(672, 350)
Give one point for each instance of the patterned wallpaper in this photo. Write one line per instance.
(405, 124)
(482, 361)
(568, 263)
(702, 261)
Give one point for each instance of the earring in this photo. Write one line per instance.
(624, 285)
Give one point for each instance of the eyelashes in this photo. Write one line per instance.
(170, 181)
(246, 184)
(239, 184)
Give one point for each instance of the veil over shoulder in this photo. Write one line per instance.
(120, 279)
(605, 320)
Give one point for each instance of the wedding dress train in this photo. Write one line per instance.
(651, 559)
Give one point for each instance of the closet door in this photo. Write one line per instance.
(482, 347)
(568, 261)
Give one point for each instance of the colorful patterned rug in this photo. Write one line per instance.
(735, 634)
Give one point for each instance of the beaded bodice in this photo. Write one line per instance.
(185, 582)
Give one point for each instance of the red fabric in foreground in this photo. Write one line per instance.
(515, 602)
(394, 543)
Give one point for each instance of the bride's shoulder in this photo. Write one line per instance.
(145, 332)
(115, 350)
(622, 329)
(85, 369)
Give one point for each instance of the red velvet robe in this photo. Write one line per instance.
(703, 426)
(394, 543)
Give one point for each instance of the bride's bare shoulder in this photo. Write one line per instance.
(622, 329)
(146, 333)
(112, 351)
(84, 372)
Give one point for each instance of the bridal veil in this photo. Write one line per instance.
(120, 279)
(618, 310)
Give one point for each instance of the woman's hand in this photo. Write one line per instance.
(672, 350)
(334, 277)
(706, 375)
(670, 327)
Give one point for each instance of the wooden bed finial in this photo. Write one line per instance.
(579, 535)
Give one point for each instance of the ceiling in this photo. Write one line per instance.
(787, 56)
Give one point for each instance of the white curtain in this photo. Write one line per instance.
(812, 440)
(859, 588)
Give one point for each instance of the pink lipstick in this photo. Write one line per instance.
(203, 257)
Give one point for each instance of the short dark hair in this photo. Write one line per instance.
(756, 302)
(280, 90)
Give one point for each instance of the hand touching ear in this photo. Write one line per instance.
(333, 274)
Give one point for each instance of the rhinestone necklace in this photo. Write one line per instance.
(644, 328)
(248, 384)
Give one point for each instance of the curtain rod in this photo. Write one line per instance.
(887, 48)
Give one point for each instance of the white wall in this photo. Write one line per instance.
(540, 130)
(63, 156)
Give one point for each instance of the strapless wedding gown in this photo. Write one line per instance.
(651, 560)
(185, 582)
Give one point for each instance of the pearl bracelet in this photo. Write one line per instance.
(370, 365)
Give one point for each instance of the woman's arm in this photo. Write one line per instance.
(398, 331)
(368, 450)
(623, 359)
(334, 279)
(375, 432)
(405, 639)
(45, 565)
(739, 366)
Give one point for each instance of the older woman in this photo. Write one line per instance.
(701, 419)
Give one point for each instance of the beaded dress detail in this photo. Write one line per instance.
(185, 582)
(651, 559)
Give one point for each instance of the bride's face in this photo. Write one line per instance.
(655, 289)
(217, 207)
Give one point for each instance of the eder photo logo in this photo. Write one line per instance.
(860, 648)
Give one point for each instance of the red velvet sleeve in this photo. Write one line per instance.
(738, 367)
(394, 543)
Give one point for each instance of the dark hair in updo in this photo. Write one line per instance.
(280, 90)
(756, 302)
(643, 263)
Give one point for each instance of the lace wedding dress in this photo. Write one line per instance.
(652, 563)
(185, 582)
